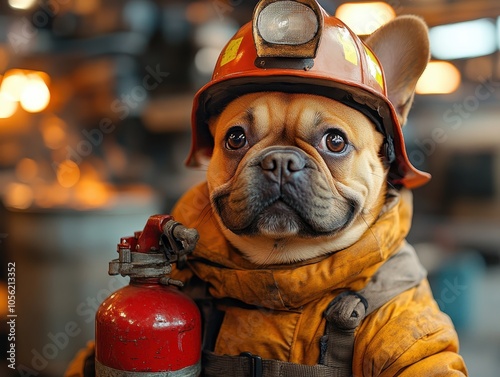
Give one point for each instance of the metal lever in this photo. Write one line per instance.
(178, 241)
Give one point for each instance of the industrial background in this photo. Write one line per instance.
(95, 102)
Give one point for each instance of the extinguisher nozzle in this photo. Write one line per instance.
(182, 240)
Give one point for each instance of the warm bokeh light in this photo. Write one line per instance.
(26, 170)
(18, 196)
(7, 106)
(50, 196)
(36, 95)
(91, 193)
(22, 4)
(439, 78)
(364, 18)
(28, 88)
(13, 84)
(53, 132)
(68, 173)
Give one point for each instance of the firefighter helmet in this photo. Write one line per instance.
(296, 47)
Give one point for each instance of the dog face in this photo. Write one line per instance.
(294, 176)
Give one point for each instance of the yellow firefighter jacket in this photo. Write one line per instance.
(279, 310)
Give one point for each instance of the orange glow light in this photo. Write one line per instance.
(27, 87)
(91, 193)
(18, 196)
(26, 170)
(36, 95)
(68, 173)
(366, 17)
(53, 132)
(439, 77)
(13, 84)
(7, 106)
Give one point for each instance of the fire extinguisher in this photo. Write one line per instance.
(150, 328)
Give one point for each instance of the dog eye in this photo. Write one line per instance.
(335, 142)
(236, 138)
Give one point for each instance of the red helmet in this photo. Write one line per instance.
(296, 47)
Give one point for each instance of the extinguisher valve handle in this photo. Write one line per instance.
(178, 241)
(188, 236)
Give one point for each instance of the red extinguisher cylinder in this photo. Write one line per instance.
(149, 327)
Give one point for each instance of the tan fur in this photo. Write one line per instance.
(402, 47)
(287, 119)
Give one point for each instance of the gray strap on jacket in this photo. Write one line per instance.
(344, 314)
(248, 365)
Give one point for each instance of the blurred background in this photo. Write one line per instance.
(95, 101)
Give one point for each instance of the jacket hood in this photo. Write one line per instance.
(289, 287)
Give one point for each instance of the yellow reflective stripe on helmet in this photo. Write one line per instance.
(350, 53)
(374, 67)
(231, 51)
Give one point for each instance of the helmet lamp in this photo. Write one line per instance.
(287, 29)
(287, 22)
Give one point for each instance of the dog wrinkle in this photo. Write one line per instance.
(250, 116)
(318, 119)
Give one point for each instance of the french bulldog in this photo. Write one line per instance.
(299, 211)
(302, 257)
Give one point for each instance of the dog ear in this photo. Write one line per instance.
(402, 46)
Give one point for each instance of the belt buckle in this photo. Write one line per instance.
(255, 364)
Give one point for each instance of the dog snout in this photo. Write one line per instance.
(282, 163)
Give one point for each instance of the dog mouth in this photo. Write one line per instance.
(286, 215)
(279, 219)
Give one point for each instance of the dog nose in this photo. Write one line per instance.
(282, 163)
